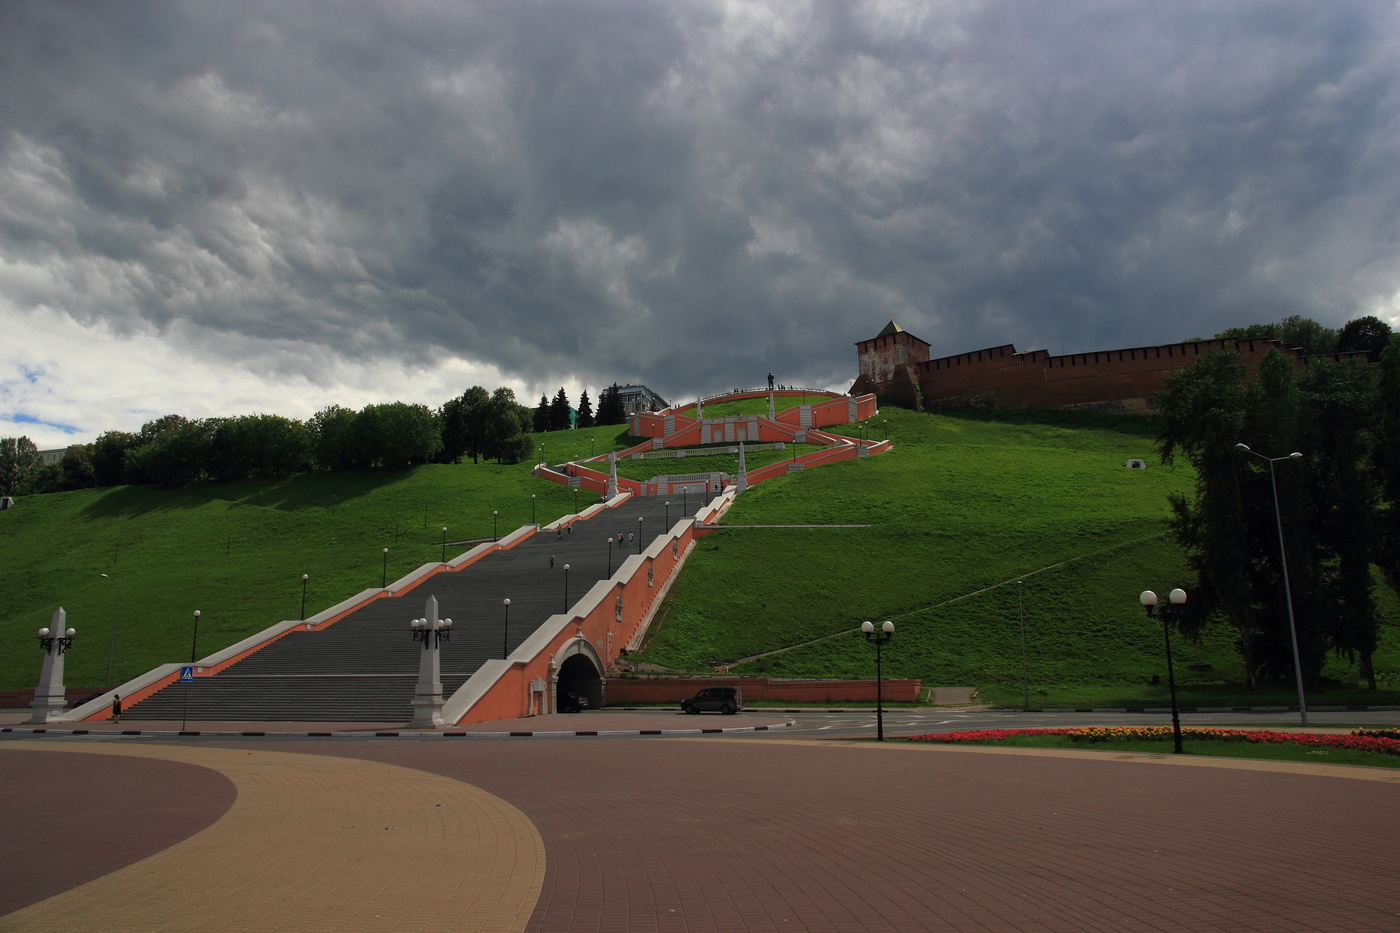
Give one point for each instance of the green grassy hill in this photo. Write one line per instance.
(955, 514)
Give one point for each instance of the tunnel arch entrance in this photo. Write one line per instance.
(580, 674)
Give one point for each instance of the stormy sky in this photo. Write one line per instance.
(229, 208)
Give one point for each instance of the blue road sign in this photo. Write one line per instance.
(186, 674)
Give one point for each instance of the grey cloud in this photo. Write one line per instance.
(692, 195)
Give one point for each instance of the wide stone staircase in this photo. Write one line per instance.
(364, 667)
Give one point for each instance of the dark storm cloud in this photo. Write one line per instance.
(693, 194)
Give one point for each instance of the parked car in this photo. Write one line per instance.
(725, 700)
(572, 703)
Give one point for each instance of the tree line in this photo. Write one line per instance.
(1338, 505)
(553, 415)
(174, 450)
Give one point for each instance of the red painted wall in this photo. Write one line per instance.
(625, 690)
(1035, 379)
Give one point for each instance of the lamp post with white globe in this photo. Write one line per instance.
(1168, 614)
(879, 641)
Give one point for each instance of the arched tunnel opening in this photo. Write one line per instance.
(578, 677)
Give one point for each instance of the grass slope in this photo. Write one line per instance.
(960, 509)
(237, 551)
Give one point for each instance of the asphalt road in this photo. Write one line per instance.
(913, 722)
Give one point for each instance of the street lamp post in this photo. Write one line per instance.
(444, 544)
(566, 587)
(610, 549)
(1287, 588)
(575, 500)
(639, 534)
(494, 536)
(194, 650)
(532, 508)
(505, 635)
(50, 695)
(384, 571)
(112, 643)
(878, 640)
(304, 578)
(1168, 615)
(427, 696)
(685, 499)
(1025, 676)
(668, 513)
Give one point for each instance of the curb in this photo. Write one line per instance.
(392, 734)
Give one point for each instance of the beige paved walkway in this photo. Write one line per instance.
(316, 843)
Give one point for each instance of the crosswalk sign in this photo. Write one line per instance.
(186, 674)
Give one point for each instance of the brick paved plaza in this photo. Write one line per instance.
(712, 834)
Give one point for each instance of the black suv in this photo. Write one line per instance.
(715, 699)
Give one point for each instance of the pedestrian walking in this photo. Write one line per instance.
(117, 708)
(551, 562)
(631, 536)
(558, 533)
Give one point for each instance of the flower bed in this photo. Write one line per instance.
(1360, 740)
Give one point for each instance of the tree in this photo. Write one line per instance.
(260, 445)
(1367, 333)
(396, 435)
(559, 412)
(1307, 334)
(456, 434)
(178, 452)
(1204, 411)
(541, 415)
(76, 465)
(584, 419)
(1386, 458)
(19, 461)
(1342, 431)
(333, 429)
(109, 455)
(610, 409)
(1230, 529)
(503, 434)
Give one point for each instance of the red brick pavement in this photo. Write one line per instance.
(753, 834)
(71, 818)
(717, 834)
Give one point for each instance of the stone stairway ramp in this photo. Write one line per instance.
(364, 667)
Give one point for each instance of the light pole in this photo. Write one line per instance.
(1025, 677)
(886, 633)
(610, 549)
(668, 513)
(194, 649)
(494, 536)
(444, 544)
(427, 695)
(575, 500)
(505, 636)
(1168, 615)
(304, 578)
(1287, 588)
(639, 534)
(532, 508)
(50, 695)
(384, 571)
(112, 644)
(685, 499)
(566, 587)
